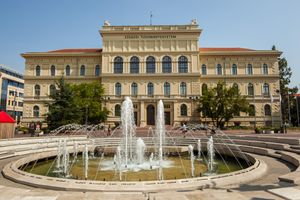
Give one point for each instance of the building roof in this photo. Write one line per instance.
(7, 70)
(5, 118)
(95, 50)
(202, 50)
(206, 49)
(297, 95)
(84, 50)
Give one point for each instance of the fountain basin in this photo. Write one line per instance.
(13, 172)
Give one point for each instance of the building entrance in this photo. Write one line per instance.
(150, 115)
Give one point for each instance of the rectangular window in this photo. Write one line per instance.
(11, 93)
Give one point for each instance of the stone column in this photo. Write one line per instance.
(142, 113)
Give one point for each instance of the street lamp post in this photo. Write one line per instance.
(297, 110)
(254, 111)
(14, 105)
(289, 107)
(280, 106)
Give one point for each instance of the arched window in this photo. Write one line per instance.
(68, 70)
(219, 69)
(52, 70)
(82, 70)
(265, 69)
(235, 86)
(182, 64)
(37, 90)
(38, 70)
(249, 69)
(250, 89)
(234, 69)
(117, 110)
(52, 89)
(36, 111)
(118, 65)
(203, 70)
(204, 88)
(266, 89)
(251, 110)
(166, 64)
(167, 90)
(134, 65)
(268, 111)
(97, 70)
(150, 64)
(118, 89)
(134, 89)
(183, 89)
(150, 89)
(183, 110)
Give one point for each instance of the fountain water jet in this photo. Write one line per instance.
(191, 152)
(140, 151)
(128, 129)
(160, 134)
(86, 161)
(210, 154)
(199, 149)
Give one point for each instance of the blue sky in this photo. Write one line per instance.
(42, 25)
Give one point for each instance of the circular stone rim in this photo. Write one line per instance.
(12, 172)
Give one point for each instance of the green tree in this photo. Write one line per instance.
(222, 103)
(62, 108)
(286, 92)
(88, 97)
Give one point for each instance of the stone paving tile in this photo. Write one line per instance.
(38, 198)
(199, 195)
(260, 195)
(287, 193)
(11, 197)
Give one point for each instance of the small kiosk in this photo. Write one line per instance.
(7, 126)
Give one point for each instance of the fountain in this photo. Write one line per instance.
(58, 160)
(160, 134)
(191, 152)
(86, 161)
(132, 159)
(140, 151)
(210, 155)
(199, 149)
(128, 130)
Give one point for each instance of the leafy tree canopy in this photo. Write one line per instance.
(80, 103)
(62, 108)
(88, 97)
(222, 103)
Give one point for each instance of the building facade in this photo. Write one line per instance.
(149, 63)
(12, 92)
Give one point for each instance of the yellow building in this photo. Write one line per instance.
(149, 63)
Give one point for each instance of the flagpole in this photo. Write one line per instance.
(151, 18)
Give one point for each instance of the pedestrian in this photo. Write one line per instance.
(32, 129)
